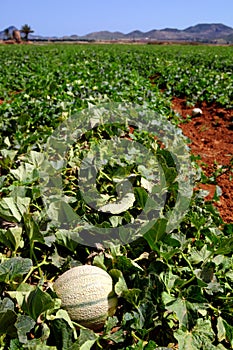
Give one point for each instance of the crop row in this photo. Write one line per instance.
(173, 288)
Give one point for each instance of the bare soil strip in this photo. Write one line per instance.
(211, 138)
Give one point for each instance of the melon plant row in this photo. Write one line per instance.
(165, 290)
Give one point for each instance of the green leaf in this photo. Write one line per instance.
(36, 158)
(168, 279)
(185, 340)
(180, 307)
(61, 212)
(12, 209)
(14, 268)
(60, 314)
(229, 332)
(35, 344)
(226, 246)
(62, 333)
(198, 256)
(8, 153)
(119, 206)
(132, 296)
(118, 278)
(7, 317)
(99, 261)
(25, 173)
(200, 337)
(12, 238)
(87, 339)
(141, 196)
(156, 233)
(15, 345)
(57, 260)
(117, 337)
(127, 265)
(24, 324)
(67, 239)
(221, 329)
(109, 324)
(36, 302)
(32, 229)
(22, 291)
(152, 346)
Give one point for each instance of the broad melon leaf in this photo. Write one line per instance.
(127, 265)
(118, 336)
(197, 256)
(156, 233)
(37, 302)
(186, 341)
(146, 184)
(6, 304)
(119, 206)
(24, 324)
(67, 238)
(11, 238)
(15, 344)
(32, 229)
(57, 260)
(221, 329)
(109, 324)
(12, 209)
(61, 314)
(20, 294)
(61, 212)
(229, 332)
(36, 158)
(226, 246)
(7, 317)
(180, 307)
(200, 337)
(62, 333)
(141, 196)
(14, 268)
(99, 262)
(10, 154)
(118, 278)
(9, 210)
(87, 339)
(132, 296)
(35, 344)
(25, 173)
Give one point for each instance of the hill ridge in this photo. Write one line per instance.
(203, 32)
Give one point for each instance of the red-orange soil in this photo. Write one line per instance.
(211, 137)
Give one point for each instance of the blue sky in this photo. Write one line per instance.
(67, 17)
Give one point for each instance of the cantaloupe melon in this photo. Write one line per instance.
(87, 294)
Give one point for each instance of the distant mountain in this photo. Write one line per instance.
(203, 32)
(104, 35)
(134, 34)
(208, 28)
(10, 31)
(229, 38)
(199, 32)
(206, 31)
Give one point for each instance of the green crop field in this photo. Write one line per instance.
(174, 286)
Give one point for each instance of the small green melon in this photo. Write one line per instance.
(87, 294)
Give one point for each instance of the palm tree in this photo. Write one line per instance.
(25, 29)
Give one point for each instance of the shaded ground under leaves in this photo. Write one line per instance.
(211, 138)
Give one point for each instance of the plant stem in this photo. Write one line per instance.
(34, 268)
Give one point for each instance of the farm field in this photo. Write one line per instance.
(174, 286)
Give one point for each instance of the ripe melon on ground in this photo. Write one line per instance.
(87, 294)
